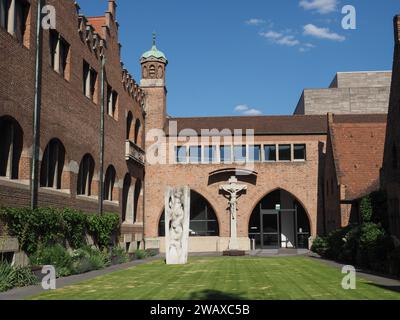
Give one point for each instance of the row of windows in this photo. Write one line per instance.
(240, 154)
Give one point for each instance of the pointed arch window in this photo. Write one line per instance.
(109, 183)
(11, 142)
(52, 165)
(85, 175)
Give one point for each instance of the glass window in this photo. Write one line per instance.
(195, 154)
(226, 154)
(181, 154)
(210, 154)
(299, 152)
(239, 153)
(270, 153)
(285, 152)
(254, 153)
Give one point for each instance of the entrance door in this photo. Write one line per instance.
(270, 229)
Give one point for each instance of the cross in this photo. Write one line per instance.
(233, 189)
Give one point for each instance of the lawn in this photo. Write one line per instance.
(281, 278)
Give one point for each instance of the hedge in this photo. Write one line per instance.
(48, 226)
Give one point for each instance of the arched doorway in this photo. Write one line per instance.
(203, 220)
(279, 221)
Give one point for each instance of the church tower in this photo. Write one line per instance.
(154, 64)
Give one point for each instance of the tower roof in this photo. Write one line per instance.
(154, 52)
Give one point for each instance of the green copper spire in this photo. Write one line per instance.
(154, 52)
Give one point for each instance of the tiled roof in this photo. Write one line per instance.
(268, 125)
(358, 143)
(98, 23)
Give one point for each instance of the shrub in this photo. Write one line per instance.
(119, 255)
(102, 228)
(11, 277)
(56, 256)
(336, 242)
(87, 259)
(366, 209)
(320, 246)
(6, 276)
(48, 226)
(140, 254)
(152, 252)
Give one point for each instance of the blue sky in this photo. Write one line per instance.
(255, 54)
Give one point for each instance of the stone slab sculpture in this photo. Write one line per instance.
(177, 221)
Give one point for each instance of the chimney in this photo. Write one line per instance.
(112, 8)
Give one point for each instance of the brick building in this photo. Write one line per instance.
(281, 159)
(70, 153)
(354, 156)
(391, 164)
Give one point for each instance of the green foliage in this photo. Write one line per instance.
(366, 209)
(152, 252)
(88, 259)
(102, 228)
(48, 226)
(11, 277)
(55, 255)
(320, 246)
(119, 255)
(140, 254)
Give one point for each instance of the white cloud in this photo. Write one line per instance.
(321, 6)
(322, 33)
(247, 111)
(290, 41)
(280, 38)
(255, 22)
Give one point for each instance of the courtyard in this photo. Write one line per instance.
(225, 278)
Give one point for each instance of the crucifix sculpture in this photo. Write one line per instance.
(233, 189)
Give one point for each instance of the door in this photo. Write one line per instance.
(270, 229)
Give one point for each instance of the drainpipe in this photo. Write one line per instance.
(101, 178)
(36, 112)
(144, 173)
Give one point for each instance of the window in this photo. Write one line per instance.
(52, 165)
(85, 176)
(239, 153)
(195, 154)
(254, 153)
(300, 152)
(11, 141)
(59, 54)
(181, 154)
(270, 153)
(14, 16)
(129, 121)
(89, 82)
(210, 154)
(226, 154)
(137, 131)
(203, 220)
(112, 98)
(109, 183)
(285, 152)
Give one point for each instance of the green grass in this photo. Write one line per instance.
(224, 278)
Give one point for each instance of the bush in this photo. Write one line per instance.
(88, 259)
(140, 254)
(56, 256)
(320, 246)
(366, 209)
(102, 228)
(11, 277)
(152, 252)
(49, 226)
(119, 255)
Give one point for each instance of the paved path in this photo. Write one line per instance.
(22, 293)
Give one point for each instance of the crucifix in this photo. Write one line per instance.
(233, 189)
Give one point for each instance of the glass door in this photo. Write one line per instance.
(270, 227)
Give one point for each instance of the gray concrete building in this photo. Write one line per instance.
(349, 92)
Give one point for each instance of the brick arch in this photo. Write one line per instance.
(208, 202)
(260, 198)
(62, 179)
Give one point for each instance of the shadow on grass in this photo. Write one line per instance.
(387, 287)
(214, 295)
